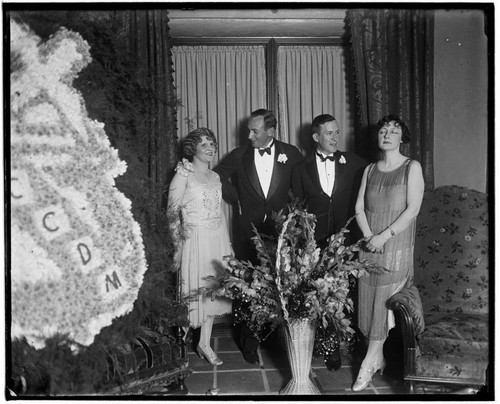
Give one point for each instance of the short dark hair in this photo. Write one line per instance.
(269, 118)
(193, 138)
(320, 120)
(405, 137)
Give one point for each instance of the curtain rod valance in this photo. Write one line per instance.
(218, 48)
(312, 49)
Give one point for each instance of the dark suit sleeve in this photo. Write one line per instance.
(297, 156)
(226, 168)
(297, 189)
(295, 182)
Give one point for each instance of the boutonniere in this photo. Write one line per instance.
(282, 158)
(342, 160)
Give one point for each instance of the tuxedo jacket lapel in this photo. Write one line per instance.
(338, 184)
(251, 171)
(312, 171)
(278, 170)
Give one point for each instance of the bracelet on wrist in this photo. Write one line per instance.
(392, 231)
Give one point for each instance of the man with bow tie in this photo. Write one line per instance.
(328, 183)
(329, 180)
(256, 180)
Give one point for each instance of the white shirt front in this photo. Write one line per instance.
(264, 165)
(326, 171)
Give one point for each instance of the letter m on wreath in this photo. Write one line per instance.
(115, 281)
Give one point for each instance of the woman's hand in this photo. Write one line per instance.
(375, 244)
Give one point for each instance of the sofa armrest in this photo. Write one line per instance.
(398, 303)
(408, 302)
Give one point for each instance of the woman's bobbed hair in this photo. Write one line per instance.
(406, 137)
(193, 138)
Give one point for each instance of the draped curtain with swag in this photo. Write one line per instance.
(149, 40)
(312, 81)
(218, 87)
(393, 58)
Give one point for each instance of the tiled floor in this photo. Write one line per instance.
(237, 377)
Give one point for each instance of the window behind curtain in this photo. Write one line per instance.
(218, 87)
(312, 80)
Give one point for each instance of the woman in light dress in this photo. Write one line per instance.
(388, 203)
(195, 195)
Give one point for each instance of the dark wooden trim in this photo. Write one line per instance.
(235, 41)
(214, 41)
(272, 76)
(324, 41)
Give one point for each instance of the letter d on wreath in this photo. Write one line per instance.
(84, 253)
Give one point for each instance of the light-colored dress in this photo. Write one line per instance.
(385, 199)
(207, 241)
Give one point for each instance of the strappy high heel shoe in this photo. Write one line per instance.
(211, 357)
(365, 375)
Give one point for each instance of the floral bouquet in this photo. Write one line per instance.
(296, 280)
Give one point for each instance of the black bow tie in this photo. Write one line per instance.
(266, 150)
(324, 158)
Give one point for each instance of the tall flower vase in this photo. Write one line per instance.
(299, 336)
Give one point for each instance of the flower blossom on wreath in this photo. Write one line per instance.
(77, 253)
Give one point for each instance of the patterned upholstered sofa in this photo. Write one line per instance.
(449, 344)
(151, 362)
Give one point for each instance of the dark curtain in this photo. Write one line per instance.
(149, 40)
(393, 59)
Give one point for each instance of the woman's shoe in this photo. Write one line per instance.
(211, 357)
(365, 375)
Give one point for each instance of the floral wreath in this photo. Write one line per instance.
(77, 253)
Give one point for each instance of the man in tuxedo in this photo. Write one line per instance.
(256, 180)
(328, 183)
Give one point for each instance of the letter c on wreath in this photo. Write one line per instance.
(45, 222)
(12, 194)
